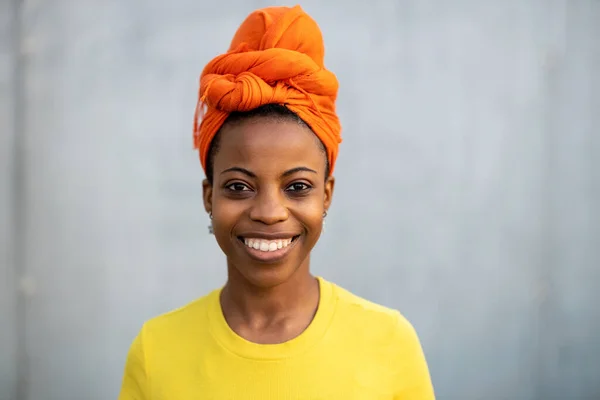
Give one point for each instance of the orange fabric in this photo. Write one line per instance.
(276, 56)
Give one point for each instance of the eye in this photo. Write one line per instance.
(237, 187)
(298, 187)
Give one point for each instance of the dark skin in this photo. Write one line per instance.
(268, 179)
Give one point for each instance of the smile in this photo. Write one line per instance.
(266, 250)
(267, 245)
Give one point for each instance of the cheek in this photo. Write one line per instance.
(310, 214)
(225, 216)
(223, 225)
(226, 210)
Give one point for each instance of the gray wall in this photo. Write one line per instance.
(467, 193)
(8, 171)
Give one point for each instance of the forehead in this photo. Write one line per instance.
(268, 145)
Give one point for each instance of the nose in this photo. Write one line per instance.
(269, 207)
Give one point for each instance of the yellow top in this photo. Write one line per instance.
(353, 349)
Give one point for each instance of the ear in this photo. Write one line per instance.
(207, 192)
(328, 195)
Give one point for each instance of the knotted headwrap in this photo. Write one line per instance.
(276, 56)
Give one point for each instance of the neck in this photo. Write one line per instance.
(256, 305)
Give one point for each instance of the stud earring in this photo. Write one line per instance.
(211, 231)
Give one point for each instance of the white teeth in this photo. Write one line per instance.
(267, 245)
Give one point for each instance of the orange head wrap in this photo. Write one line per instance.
(276, 56)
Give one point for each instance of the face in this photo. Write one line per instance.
(268, 197)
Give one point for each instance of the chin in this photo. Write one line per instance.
(268, 275)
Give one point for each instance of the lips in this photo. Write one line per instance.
(268, 249)
(267, 245)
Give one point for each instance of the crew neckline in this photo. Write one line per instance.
(229, 339)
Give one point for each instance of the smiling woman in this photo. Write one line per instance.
(268, 143)
(268, 191)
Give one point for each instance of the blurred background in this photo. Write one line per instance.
(467, 196)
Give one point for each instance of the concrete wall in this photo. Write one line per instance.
(467, 193)
(8, 192)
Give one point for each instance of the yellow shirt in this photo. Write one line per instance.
(353, 349)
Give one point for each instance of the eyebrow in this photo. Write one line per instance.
(253, 175)
(240, 169)
(298, 169)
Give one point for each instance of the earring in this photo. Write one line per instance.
(211, 231)
(323, 223)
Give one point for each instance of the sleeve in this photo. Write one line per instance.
(414, 381)
(134, 385)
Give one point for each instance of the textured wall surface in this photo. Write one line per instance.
(468, 184)
(8, 295)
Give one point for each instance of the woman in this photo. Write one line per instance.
(268, 142)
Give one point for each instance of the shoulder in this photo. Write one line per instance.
(185, 320)
(366, 315)
(168, 336)
(382, 337)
